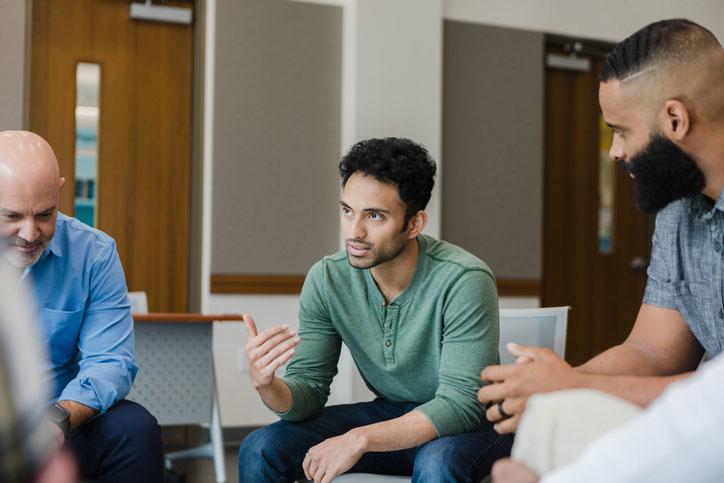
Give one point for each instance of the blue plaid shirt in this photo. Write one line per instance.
(685, 273)
(85, 316)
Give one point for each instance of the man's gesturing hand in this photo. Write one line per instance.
(267, 351)
(538, 370)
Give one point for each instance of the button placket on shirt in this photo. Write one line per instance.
(389, 326)
(718, 245)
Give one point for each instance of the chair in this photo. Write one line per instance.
(175, 381)
(542, 327)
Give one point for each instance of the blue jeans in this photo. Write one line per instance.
(121, 445)
(275, 453)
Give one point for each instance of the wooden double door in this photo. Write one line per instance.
(144, 131)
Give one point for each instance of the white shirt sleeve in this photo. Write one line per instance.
(678, 438)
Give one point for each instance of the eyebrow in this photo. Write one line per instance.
(369, 210)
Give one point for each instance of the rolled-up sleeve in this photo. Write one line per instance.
(107, 365)
(469, 344)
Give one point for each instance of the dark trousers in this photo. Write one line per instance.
(121, 445)
(275, 452)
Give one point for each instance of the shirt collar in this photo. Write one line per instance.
(53, 247)
(705, 208)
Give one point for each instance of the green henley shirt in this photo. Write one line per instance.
(427, 346)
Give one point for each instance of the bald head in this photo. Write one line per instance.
(29, 193)
(25, 156)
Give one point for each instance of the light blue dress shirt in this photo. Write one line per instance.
(85, 316)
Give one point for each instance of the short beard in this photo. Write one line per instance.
(20, 259)
(664, 173)
(389, 252)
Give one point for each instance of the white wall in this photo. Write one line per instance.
(398, 83)
(239, 403)
(612, 20)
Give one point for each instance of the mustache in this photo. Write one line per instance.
(357, 241)
(626, 167)
(19, 242)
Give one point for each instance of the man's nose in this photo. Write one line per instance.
(357, 229)
(29, 231)
(617, 152)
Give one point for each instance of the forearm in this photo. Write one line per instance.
(408, 431)
(79, 413)
(640, 390)
(627, 372)
(277, 395)
(623, 360)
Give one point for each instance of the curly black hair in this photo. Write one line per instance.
(677, 40)
(394, 160)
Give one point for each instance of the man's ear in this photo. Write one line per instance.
(674, 120)
(416, 224)
(61, 182)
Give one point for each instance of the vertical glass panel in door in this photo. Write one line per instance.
(87, 113)
(606, 179)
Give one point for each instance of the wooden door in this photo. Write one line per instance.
(581, 268)
(144, 134)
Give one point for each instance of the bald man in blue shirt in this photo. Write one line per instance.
(78, 282)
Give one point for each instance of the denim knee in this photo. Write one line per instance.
(436, 462)
(260, 458)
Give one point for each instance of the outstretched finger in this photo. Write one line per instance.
(279, 350)
(269, 334)
(279, 361)
(250, 326)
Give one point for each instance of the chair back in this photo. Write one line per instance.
(139, 302)
(540, 327)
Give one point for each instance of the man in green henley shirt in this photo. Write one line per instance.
(420, 318)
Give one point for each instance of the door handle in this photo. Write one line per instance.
(639, 264)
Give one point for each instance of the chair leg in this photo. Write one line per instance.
(214, 449)
(217, 441)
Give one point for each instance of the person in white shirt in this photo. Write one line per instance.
(678, 438)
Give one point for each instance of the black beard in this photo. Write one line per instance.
(664, 173)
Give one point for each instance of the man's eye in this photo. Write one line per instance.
(375, 216)
(346, 210)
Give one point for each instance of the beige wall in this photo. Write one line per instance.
(13, 32)
(493, 146)
(277, 136)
